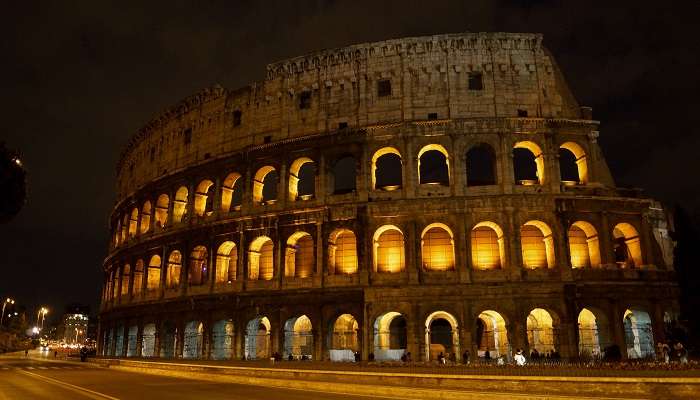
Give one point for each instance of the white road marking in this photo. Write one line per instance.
(85, 392)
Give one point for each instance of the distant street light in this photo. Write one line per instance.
(41, 313)
(4, 304)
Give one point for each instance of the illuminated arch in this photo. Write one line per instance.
(203, 198)
(180, 204)
(342, 251)
(193, 344)
(228, 192)
(257, 339)
(260, 259)
(583, 245)
(222, 334)
(259, 184)
(298, 338)
(137, 287)
(481, 165)
(437, 248)
(198, 269)
(299, 256)
(388, 249)
(383, 152)
(579, 163)
(627, 246)
(133, 222)
(153, 274)
(296, 178)
(162, 210)
(487, 246)
(639, 336)
(537, 245)
(537, 157)
(442, 173)
(344, 336)
(491, 334)
(441, 335)
(146, 217)
(226, 261)
(540, 331)
(125, 228)
(172, 277)
(125, 279)
(390, 336)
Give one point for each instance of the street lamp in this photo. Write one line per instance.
(4, 304)
(42, 312)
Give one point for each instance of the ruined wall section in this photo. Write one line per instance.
(429, 75)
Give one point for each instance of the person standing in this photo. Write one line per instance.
(520, 358)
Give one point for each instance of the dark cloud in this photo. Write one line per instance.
(78, 79)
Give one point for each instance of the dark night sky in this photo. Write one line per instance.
(78, 80)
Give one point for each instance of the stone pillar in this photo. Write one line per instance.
(125, 340)
(207, 337)
(415, 344)
(179, 339)
(319, 334)
(412, 247)
(617, 327)
(647, 242)
(320, 259)
(139, 339)
(156, 338)
(513, 264)
(367, 333)
(607, 256)
(462, 241)
(657, 322)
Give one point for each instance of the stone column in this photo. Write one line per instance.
(139, 339)
(607, 256)
(180, 339)
(513, 264)
(617, 328)
(462, 241)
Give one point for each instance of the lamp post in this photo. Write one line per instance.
(4, 304)
(41, 313)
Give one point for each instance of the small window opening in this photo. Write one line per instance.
(267, 139)
(342, 125)
(153, 154)
(188, 136)
(384, 88)
(432, 116)
(476, 81)
(305, 100)
(522, 113)
(237, 117)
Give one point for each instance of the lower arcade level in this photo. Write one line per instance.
(489, 321)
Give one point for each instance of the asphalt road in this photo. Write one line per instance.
(28, 378)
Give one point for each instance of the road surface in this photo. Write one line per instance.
(28, 378)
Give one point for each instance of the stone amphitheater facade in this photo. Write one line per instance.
(440, 194)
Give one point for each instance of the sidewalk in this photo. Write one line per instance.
(410, 384)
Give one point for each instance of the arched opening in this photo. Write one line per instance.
(572, 164)
(627, 246)
(222, 340)
(260, 259)
(146, 217)
(441, 335)
(199, 271)
(488, 247)
(528, 164)
(437, 248)
(388, 247)
(342, 251)
(180, 204)
(541, 334)
(386, 169)
(299, 258)
(153, 278)
(204, 198)
(537, 245)
(193, 345)
(168, 340)
(591, 334)
(119, 338)
(491, 335)
(148, 341)
(172, 277)
(257, 339)
(390, 336)
(231, 193)
(639, 336)
(162, 210)
(117, 233)
(481, 165)
(265, 185)
(583, 245)
(298, 339)
(433, 165)
(125, 279)
(131, 341)
(125, 228)
(226, 261)
(345, 175)
(109, 342)
(302, 179)
(133, 222)
(344, 339)
(138, 278)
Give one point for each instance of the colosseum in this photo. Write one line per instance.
(425, 195)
